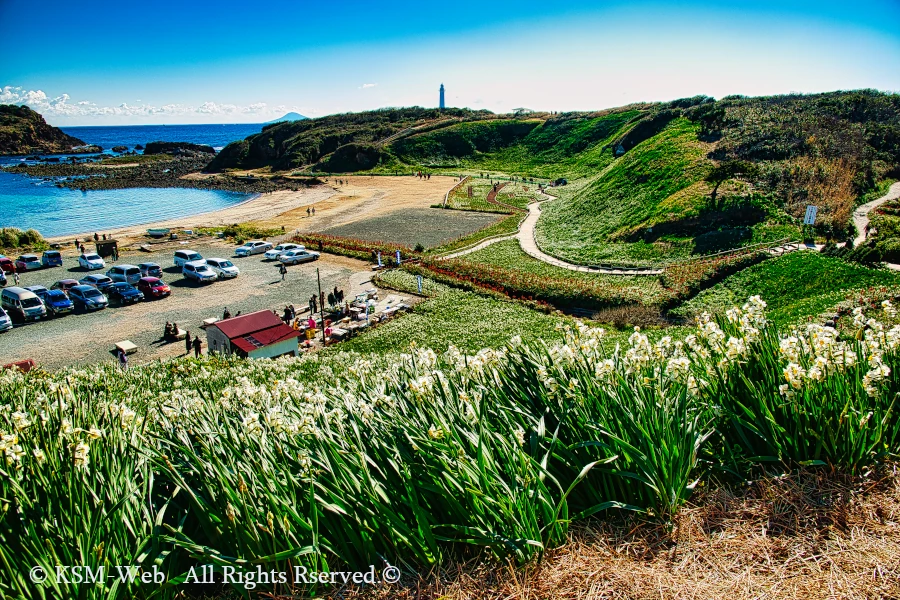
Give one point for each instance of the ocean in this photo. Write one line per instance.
(34, 203)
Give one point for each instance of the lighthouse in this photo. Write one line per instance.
(441, 105)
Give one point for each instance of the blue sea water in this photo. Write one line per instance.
(217, 136)
(35, 203)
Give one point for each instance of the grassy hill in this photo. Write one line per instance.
(795, 286)
(23, 131)
(648, 182)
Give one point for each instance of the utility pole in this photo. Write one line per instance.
(321, 308)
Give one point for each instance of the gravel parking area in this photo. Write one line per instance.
(78, 339)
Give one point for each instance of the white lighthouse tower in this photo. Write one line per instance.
(441, 105)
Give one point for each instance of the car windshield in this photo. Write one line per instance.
(56, 295)
(102, 279)
(30, 302)
(92, 293)
(28, 258)
(226, 263)
(91, 257)
(202, 268)
(51, 254)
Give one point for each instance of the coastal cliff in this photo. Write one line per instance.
(23, 131)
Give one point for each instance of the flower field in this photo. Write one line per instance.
(411, 459)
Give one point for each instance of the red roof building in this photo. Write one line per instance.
(255, 335)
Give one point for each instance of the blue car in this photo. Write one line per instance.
(123, 293)
(87, 298)
(55, 301)
(51, 258)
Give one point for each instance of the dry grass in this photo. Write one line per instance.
(809, 536)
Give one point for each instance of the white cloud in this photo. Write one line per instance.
(62, 107)
(366, 86)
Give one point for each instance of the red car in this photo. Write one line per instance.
(64, 285)
(7, 264)
(153, 287)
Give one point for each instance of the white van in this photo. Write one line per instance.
(185, 256)
(22, 304)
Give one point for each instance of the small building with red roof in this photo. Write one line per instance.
(256, 335)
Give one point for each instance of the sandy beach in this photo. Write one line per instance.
(339, 201)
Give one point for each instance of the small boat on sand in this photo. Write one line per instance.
(158, 233)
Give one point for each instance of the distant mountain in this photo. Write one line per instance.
(291, 116)
(23, 131)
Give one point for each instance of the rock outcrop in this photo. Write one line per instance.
(23, 131)
(178, 148)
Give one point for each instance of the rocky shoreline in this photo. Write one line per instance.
(156, 174)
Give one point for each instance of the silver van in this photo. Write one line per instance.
(127, 273)
(22, 304)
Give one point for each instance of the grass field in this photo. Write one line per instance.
(427, 226)
(509, 255)
(797, 285)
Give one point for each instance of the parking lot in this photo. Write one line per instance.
(88, 338)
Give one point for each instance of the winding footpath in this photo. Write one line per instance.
(861, 214)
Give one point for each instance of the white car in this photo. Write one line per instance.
(186, 256)
(295, 257)
(277, 250)
(199, 271)
(91, 262)
(223, 267)
(254, 247)
(5, 321)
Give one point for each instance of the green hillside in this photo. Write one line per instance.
(795, 286)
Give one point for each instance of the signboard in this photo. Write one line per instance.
(419, 282)
(810, 218)
(398, 258)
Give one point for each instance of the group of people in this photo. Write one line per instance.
(335, 298)
(423, 175)
(170, 334)
(310, 211)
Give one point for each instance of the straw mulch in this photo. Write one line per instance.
(810, 535)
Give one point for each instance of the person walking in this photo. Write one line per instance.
(187, 343)
(123, 359)
(16, 277)
(198, 347)
(226, 315)
(283, 270)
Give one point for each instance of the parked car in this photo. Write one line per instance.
(126, 273)
(101, 282)
(88, 298)
(5, 321)
(199, 271)
(22, 304)
(65, 285)
(153, 287)
(3, 280)
(6, 264)
(28, 262)
(277, 250)
(91, 262)
(295, 257)
(123, 293)
(55, 301)
(185, 256)
(51, 258)
(223, 268)
(149, 269)
(254, 247)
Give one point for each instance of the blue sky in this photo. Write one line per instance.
(182, 62)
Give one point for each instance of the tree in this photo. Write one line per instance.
(724, 171)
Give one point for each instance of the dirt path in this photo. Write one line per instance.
(861, 214)
(529, 245)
